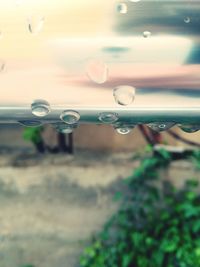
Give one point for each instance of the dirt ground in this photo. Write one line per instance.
(50, 206)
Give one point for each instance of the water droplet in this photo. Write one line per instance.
(2, 65)
(160, 126)
(124, 130)
(189, 128)
(35, 25)
(124, 95)
(30, 123)
(122, 8)
(134, 1)
(40, 108)
(187, 20)
(64, 128)
(108, 117)
(70, 116)
(97, 71)
(146, 34)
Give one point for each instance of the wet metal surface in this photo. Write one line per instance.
(75, 58)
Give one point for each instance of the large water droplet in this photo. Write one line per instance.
(70, 116)
(30, 123)
(160, 126)
(97, 71)
(108, 117)
(146, 34)
(187, 20)
(35, 24)
(124, 95)
(40, 108)
(189, 128)
(122, 8)
(64, 128)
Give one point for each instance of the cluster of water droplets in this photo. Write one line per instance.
(97, 71)
(161, 126)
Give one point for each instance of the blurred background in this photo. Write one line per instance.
(58, 190)
(94, 197)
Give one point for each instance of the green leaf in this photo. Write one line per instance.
(117, 196)
(126, 260)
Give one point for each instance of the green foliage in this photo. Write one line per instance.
(27, 265)
(156, 226)
(33, 134)
(196, 158)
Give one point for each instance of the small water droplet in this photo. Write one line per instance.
(122, 8)
(187, 20)
(134, 1)
(70, 116)
(124, 95)
(160, 126)
(2, 65)
(124, 130)
(30, 123)
(97, 71)
(108, 117)
(64, 128)
(35, 25)
(146, 34)
(40, 108)
(189, 128)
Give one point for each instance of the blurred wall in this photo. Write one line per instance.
(94, 137)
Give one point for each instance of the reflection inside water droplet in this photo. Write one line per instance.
(97, 71)
(187, 20)
(146, 34)
(189, 128)
(70, 116)
(108, 117)
(159, 127)
(40, 108)
(35, 24)
(122, 8)
(30, 123)
(64, 128)
(124, 95)
(123, 130)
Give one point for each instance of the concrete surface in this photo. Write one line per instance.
(50, 207)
